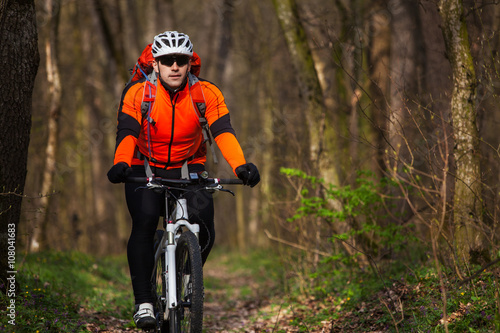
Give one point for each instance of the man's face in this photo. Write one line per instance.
(173, 69)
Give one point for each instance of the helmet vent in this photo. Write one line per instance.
(172, 42)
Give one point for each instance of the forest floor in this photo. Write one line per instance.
(222, 312)
(250, 300)
(74, 292)
(234, 302)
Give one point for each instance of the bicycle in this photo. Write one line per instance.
(177, 278)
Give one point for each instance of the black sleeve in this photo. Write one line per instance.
(222, 125)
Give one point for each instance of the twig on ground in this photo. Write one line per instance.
(392, 317)
(479, 272)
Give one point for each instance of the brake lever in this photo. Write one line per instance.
(155, 186)
(212, 188)
(217, 187)
(228, 191)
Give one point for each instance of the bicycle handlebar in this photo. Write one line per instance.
(200, 181)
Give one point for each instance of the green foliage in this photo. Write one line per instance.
(354, 201)
(54, 287)
(404, 298)
(42, 308)
(379, 293)
(360, 207)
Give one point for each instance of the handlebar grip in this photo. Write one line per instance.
(136, 180)
(231, 181)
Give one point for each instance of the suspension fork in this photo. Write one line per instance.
(180, 214)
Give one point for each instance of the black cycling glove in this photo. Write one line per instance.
(119, 172)
(249, 174)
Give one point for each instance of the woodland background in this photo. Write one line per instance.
(394, 103)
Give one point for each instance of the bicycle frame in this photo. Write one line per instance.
(176, 217)
(168, 245)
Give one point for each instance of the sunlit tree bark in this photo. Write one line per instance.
(312, 95)
(52, 10)
(467, 204)
(307, 78)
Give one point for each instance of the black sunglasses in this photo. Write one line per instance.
(168, 60)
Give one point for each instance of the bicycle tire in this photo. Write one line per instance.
(188, 315)
(159, 286)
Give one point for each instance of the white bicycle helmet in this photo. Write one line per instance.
(171, 42)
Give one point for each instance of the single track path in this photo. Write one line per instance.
(232, 302)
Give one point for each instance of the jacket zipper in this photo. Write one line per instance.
(174, 102)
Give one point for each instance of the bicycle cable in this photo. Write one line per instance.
(218, 187)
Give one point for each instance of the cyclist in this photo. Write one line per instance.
(172, 138)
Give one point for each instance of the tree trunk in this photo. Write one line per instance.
(307, 78)
(378, 58)
(311, 93)
(117, 66)
(350, 54)
(406, 63)
(133, 31)
(39, 237)
(405, 71)
(225, 39)
(20, 57)
(467, 214)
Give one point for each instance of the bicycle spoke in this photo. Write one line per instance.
(159, 288)
(185, 293)
(189, 284)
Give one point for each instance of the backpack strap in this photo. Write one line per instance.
(148, 97)
(198, 99)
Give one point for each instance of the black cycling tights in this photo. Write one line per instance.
(145, 207)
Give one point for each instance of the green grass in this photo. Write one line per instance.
(55, 288)
(58, 291)
(258, 267)
(398, 299)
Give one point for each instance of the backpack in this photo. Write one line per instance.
(144, 65)
(144, 69)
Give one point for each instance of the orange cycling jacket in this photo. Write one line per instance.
(175, 135)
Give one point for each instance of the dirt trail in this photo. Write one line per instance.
(230, 306)
(243, 305)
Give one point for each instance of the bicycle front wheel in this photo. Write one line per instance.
(188, 316)
(159, 286)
